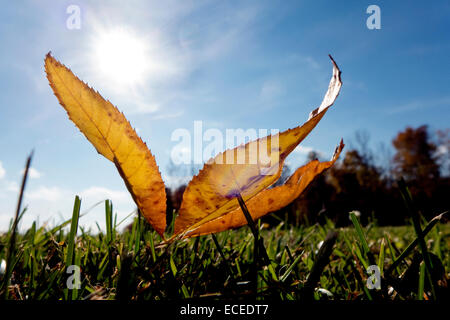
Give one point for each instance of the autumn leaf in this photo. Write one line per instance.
(112, 135)
(269, 200)
(245, 170)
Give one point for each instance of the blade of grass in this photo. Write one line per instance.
(421, 282)
(356, 273)
(152, 247)
(12, 239)
(286, 249)
(173, 267)
(133, 234)
(126, 278)
(362, 238)
(414, 243)
(219, 249)
(359, 232)
(381, 256)
(361, 257)
(108, 217)
(75, 289)
(291, 267)
(70, 255)
(114, 225)
(418, 229)
(137, 241)
(322, 259)
(129, 215)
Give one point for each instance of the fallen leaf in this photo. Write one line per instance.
(112, 135)
(245, 170)
(269, 200)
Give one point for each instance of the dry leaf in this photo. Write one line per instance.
(269, 200)
(113, 137)
(212, 193)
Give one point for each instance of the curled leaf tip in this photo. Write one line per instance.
(211, 194)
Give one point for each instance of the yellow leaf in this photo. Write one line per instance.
(113, 137)
(268, 200)
(245, 170)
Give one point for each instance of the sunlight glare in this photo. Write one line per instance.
(121, 56)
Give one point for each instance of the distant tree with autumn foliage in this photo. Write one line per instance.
(415, 157)
(418, 160)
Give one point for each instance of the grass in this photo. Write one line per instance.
(127, 265)
(316, 262)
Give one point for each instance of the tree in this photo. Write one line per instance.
(359, 186)
(417, 161)
(415, 158)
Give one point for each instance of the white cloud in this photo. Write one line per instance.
(2, 171)
(442, 150)
(12, 186)
(168, 115)
(173, 181)
(303, 150)
(100, 193)
(50, 194)
(32, 173)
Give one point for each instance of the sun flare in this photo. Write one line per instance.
(121, 56)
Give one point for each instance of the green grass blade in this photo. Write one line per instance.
(10, 258)
(70, 255)
(381, 256)
(219, 249)
(418, 229)
(152, 246)
(109, 221)
(291, 267)
(173, 267)
(414, 243)
(359, 232)
(421, 286)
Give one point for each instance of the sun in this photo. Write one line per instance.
(121, 56)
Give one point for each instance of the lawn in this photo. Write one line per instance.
(313, 262)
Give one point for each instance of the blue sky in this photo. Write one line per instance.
(230, 64)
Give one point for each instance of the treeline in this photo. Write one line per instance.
(366, 181)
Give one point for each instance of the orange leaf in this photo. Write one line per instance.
(269, 200)
(247, 169)
(113, 137)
